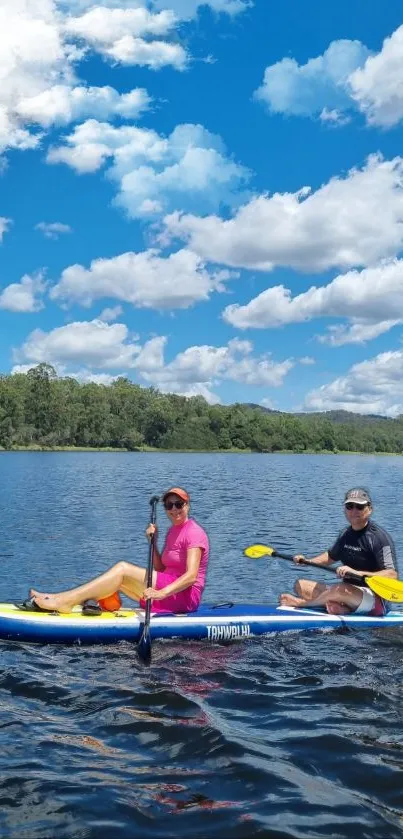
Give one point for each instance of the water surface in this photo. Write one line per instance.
(291, 735)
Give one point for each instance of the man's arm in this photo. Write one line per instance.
(386, 573)
(385, 556)
(323, 559)
(384, 552)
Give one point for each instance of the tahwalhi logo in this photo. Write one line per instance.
(228, 631)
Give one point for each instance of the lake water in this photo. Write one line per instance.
(294, 735)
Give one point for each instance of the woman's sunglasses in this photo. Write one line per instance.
(351, 506)
(169, 505)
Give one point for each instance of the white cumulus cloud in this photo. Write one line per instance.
(84, 343)
(267, 403)
(346, 77)
(53, 229)
(38, 82)
(45, 43)
(145, 279)
(350, 221)
(374, 386)
(86, 376)
(111, 313)
(200, 369)
(61, 104)
(357, 332)
(372, 299)
(98, 346)
(377, 87)
(25, 296)
(333, 117)
(320, 84)
(123, 35)
(32, 56)
(154, 173)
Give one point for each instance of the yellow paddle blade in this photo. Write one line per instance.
(386, 588)
(257, 551)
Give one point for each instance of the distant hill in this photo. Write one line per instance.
(346, 416)
(260, 408)
(333, 416)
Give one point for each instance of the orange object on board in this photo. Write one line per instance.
(111, 603)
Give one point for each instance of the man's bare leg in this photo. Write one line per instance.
(305, 591)
(309, 589)
(340, 599)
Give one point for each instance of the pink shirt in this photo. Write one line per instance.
(178, 540)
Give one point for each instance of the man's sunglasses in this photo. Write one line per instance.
(351, 506)
(169, 505)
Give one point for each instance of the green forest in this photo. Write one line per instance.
(41, 410)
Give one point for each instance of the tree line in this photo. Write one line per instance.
(41, 409)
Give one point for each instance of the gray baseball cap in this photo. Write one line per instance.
(359, 495)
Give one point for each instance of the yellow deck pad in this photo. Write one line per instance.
(12, 609)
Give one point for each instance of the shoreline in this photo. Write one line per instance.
(150, 449)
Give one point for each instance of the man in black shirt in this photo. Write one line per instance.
(364, 549)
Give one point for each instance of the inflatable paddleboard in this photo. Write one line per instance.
(215, 623)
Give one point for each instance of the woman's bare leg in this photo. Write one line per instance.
(125, 577)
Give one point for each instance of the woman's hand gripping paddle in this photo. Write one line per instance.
(384, 587)
(144, 644)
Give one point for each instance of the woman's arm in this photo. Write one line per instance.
(186, 580)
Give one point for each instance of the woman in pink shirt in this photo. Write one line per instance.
(179, 570)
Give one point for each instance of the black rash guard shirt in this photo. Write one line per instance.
(369, 549)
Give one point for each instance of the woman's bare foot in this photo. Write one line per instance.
(51, 602)
(291, 600)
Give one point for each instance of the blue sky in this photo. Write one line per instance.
(206, 197)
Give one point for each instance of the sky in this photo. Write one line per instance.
(206, 197)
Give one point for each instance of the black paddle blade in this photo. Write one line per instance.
(144, 645)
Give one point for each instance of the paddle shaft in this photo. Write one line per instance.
(153, 502)
(350, 577)
(387, 588)
(144, 645)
